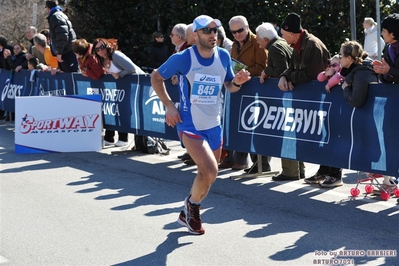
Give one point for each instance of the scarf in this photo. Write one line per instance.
(346, 71)
(297, 45)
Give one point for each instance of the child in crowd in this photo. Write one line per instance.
(332, 73)
(33, 64)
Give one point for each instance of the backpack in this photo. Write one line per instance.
(150, 145)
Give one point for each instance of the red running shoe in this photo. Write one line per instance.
(190, 217)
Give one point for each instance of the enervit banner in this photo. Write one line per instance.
(306, 124)
(311, 125)
(58, 124)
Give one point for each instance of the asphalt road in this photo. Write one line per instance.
(118, 207)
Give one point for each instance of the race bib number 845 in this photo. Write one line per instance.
(205, 89)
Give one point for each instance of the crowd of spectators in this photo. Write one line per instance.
(296, 57)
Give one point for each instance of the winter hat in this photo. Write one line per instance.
(51, 4)
(203, 21)
(292, 23)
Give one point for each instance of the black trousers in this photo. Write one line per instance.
(109, 136)
(70, 63)
(331, 171)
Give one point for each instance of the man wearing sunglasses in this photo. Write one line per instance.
(246, 50)
(202, 71)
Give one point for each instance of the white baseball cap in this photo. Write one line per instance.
(203, 21)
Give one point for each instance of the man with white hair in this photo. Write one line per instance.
(33, 51)
(189, 35)
(280, 52)
(178, 37)
(40, 42)
(278, 60)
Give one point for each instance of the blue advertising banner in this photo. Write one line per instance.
(311, 125)
(306, 124)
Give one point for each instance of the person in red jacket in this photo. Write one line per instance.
(88, 63)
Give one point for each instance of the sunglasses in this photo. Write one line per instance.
(237, 31)
(333, 65)
(100, 48)
(209, 30)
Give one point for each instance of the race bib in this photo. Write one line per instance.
(205, 89)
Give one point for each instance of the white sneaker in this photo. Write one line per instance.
(107, 143)
(120, 143)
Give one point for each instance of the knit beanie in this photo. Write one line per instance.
(51, 4)
(292, 23)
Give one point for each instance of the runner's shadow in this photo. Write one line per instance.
(159, 256)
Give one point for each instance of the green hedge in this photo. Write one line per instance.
(133, 22)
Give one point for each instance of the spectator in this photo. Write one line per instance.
(178, 37)
(309, 57)
(332, 73)
(114, 62)
(223, 41)
(358, 72)
(61, 37)
(34, 64)
(198, 123)
(46, 32)
(3, 47)
(279, 52)
(40, 42)
(159, 50)
(30, 32)
(18, 61)
(388, 68)
(371, 38)
(189, 35)
(118, 65)
(88, 63)
(33, 51)
(246, 50)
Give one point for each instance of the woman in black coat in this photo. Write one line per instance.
(159, 50)
(17, 61)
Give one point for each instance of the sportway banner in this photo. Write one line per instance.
(306, 124)
(64, 129)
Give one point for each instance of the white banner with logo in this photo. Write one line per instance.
(58, 124)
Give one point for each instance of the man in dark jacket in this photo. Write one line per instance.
(310, 56)
(62, 36)
(279, 51)
(4, 46)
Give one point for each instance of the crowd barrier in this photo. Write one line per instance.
(306, 124)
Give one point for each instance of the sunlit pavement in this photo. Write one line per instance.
(119, 207)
